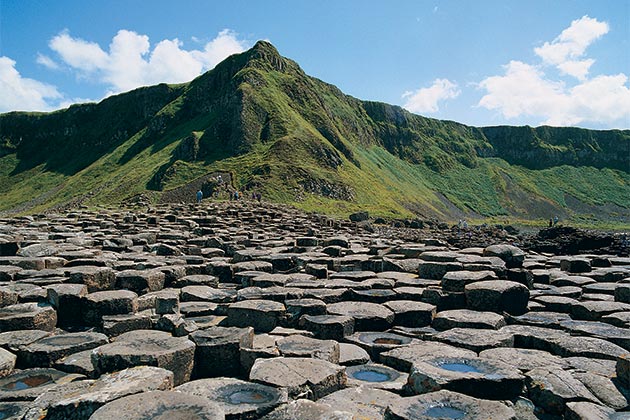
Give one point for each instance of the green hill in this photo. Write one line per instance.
(299, 140)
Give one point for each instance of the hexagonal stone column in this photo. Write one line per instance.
(308, 377)
(115, 302)
(497, 296)
(44, 352)
(367, 316)
(481, 378)
(447, 405)
(28, 316)
(160, 404)
(218, 349)
(238, 399)
(148, 348)
(80, 399)
(262, 315)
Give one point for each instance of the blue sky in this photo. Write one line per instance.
(478, 62)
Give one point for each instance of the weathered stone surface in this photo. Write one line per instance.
(447, 404)
(95, 278)
(622, 293)
(475, 339)
(456, 281)
(150, 348)
(114, 325)
(46, 351)
(301, 346)
(156, 404)
(237, 398)
(218, 349)
(140, 281)
(351, 354)
(313, 378)
(26, 385)
(7, 297)
(477, 377)
(497, 296)
(14, 340)
(78, 400)
(262, 315)
(67, 300)
(328, 327)
(623, 369)
(305, 409)
(377, 342)
(465, 318)
(552, 389)
(403, 358)
(524, 359)
(7, 362)
(512, 255)
(14, 410)
(80, 363)
(604, 389)
(115, 302)
(367, 316)
(583, 410)
(410, 313)
(594, 310)
(28, 316)
(362, 402)
(437, 270)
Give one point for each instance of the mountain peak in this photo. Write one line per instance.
(266, 52)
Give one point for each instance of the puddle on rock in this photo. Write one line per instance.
(459, 367)
(28, 382)
(371, 376)
(250, 396)
(443, 412)
(384, 340)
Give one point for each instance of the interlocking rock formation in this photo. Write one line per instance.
(244, 310)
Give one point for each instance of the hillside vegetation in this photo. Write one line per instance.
(299, 140)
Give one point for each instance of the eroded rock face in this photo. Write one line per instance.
(358, 318)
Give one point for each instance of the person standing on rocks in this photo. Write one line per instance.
(199, 196)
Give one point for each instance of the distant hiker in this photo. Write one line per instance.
(199, 196)
(258, 197)
(253, 195)
(550, 222)
(555, 220)
(236, 195)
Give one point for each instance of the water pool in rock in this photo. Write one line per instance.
(249, 396)
(371, 376)
(443, 412)
(459, 367)
(26, 383)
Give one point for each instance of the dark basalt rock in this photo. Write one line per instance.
(241, 290)
(156, 404)
(237, 398)
(447, 405)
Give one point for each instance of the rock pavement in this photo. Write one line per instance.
(244, 310)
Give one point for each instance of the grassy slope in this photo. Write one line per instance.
(294, 131)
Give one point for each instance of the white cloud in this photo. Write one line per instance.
(571, 44)
(80, 54)
(527, 90)
(131, 62)
(46, 61)
(425, 100)
(21, 93)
